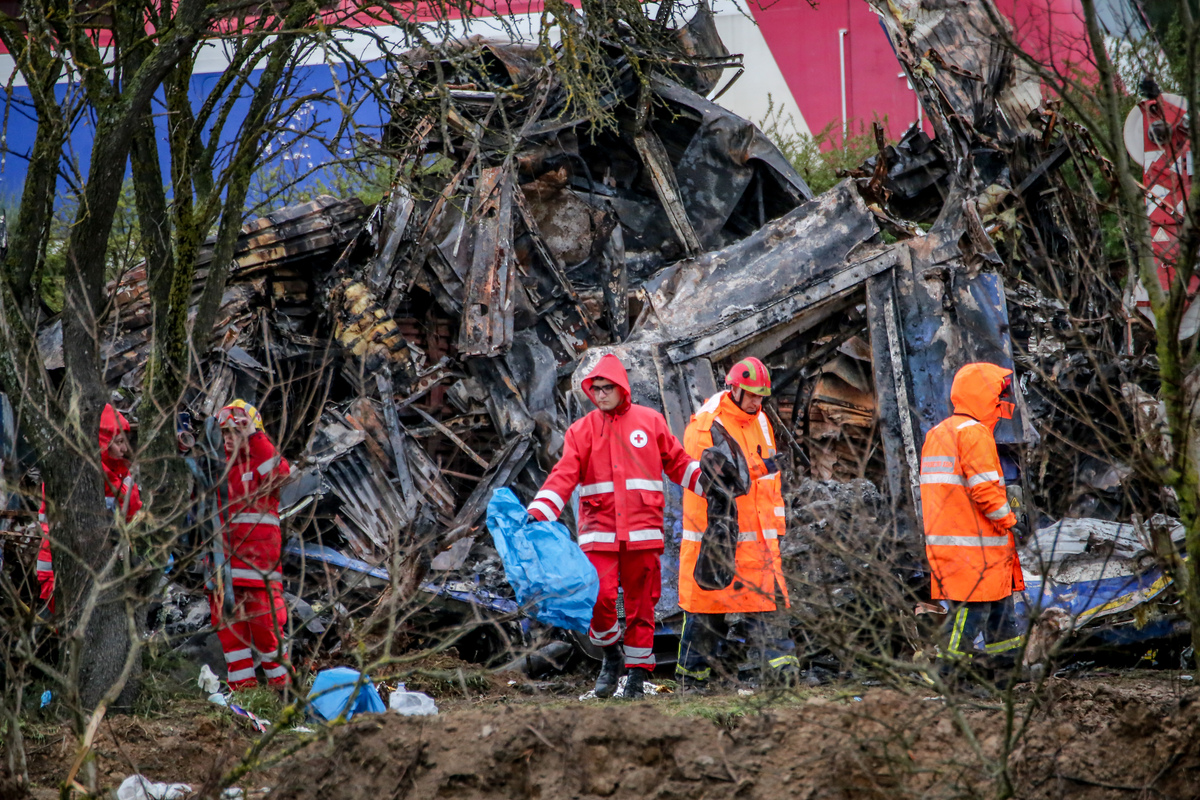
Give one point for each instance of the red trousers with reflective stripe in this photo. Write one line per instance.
(258, 622)
(639, 573)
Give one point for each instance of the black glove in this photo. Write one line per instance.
(1020, 532)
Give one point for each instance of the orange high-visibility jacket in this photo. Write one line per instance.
(758, 566)
(968, 522)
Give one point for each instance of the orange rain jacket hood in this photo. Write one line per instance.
(976, 393)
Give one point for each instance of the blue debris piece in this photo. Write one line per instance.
(454, 590)
(47, 696)
(333, 692)
(544, 566)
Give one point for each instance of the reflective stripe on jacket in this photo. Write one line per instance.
(252, 533)
(966, 515)
(761, 516)
(120, 490)
(617, 459)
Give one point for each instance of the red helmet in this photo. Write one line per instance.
(750, 374)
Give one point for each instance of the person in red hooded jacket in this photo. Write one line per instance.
(120, 491)
(253, 544)
(617, 455)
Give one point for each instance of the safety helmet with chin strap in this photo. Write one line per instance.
(750, 375)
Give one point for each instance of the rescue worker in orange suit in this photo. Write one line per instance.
(253, 545)
(968, 522)
(758, 589)
(121, 492)
(617, 455)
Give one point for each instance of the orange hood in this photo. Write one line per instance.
(611, 369)
(976, 392)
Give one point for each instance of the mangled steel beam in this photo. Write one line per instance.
(662, 175)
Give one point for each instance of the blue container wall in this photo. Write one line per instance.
(288, 150)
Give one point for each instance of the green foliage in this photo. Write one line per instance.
(163, 681)
(817, 158)
(123, 253)
(281, 185)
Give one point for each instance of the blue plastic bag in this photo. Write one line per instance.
(332, 691)
(544, 566)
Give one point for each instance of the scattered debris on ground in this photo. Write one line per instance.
(415, 355)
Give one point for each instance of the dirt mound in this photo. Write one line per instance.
(194, 745)
(1082, 741)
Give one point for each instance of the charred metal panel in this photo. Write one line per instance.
(719, 162)
(902, 436)
(391, 220)
(968, 80)
(950, 317)
(487, 320)
(722, 300)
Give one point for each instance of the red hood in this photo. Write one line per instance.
(112, 421)
(611, 369)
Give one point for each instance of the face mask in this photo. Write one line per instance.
(1006, 405)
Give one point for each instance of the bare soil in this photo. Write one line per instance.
(1130, 735)
(1086, 739)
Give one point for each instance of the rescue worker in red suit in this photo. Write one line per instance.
(758, 591)
(967, 519)
(253, 545)
(617, 455)
(120, 491)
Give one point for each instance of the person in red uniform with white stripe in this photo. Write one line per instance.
(120, 491)
(617, 455)
(253, 544)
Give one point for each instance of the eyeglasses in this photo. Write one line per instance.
(233, 418)
(603, 388)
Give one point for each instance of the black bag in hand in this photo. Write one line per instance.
(728, 477)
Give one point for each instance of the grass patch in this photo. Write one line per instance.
(262, 701)
(446, 681)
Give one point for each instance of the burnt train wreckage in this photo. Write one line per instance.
(429, 349)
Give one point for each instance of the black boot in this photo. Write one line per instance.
(635, 688)
(610, 670)
(689, 685)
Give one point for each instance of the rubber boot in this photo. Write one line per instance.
(610, 670)
(635, 688)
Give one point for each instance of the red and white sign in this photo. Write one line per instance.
(1156, 136)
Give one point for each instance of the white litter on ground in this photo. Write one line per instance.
(137, 787)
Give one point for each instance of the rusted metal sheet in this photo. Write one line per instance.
(486, 326)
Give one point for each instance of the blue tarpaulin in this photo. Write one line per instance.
(546, 569)
(333, 692)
